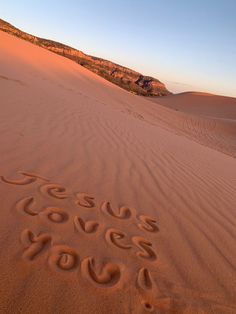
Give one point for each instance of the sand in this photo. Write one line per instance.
(110, 203)
(205, 118)
(202, 104)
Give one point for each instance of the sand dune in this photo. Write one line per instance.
(205, 118)
(202, 104)
(110, 203)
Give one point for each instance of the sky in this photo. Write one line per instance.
(188, 45)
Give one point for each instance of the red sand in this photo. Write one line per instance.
(110, 203)
(202, 104)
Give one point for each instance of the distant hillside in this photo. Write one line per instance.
(124, 77)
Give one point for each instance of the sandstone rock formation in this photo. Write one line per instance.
(126, 78)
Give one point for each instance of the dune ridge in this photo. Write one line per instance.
(206, 118)
(126, 78)
(108, 203)
(202, 104)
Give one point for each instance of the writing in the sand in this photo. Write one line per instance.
(106, 224)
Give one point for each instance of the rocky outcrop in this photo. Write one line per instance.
(126, 78)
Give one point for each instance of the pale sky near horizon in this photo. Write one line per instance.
(188, 45)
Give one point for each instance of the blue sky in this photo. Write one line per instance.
(189, 45)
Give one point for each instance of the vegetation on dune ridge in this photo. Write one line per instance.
(126, 78)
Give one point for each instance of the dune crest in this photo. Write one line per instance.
(126, 78)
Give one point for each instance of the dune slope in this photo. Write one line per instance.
(107, 205)
(202, 104)
(126, 78)
(205, 118)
